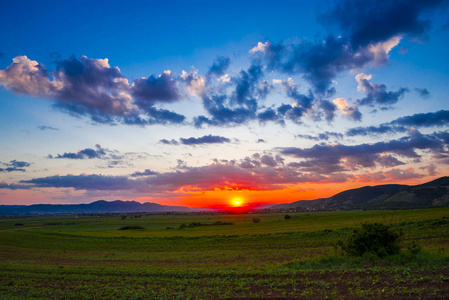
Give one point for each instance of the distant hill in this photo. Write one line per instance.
(390, 196)
(100, 206)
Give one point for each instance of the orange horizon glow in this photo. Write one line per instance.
(219, 198)
(233, 199)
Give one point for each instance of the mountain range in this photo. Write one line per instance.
(388, 196)
(100, 206)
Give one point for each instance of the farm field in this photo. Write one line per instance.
(200, 256)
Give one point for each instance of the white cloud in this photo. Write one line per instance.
(363, 81)
(196, 85)
(261, 47)
(26, 76)
(224, 78)
(349, 111)
(341, 103)
(381, 50)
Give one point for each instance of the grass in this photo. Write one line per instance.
(85, 257)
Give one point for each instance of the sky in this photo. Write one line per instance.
(200, 103)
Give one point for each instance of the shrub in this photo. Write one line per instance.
(198, 224)
(131, 227)
(287, 217)
(256, 220)
(372, 239)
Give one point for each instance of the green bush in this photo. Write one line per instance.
(372, 239)
(198, 224)
(131, 227)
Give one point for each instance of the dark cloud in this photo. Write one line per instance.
(291, 113)
(371, 30)
(91, 87)
(303, 101)
(154, 89)
(319, 62)
(268, 115)
(260, 141)
(111, 158)
(163, 116)
(390, 176)
(246, 86)
(271, 161)
(263, 89)
(19, 164)
(256, 172)
(207, 139)
(47, 128)
(87, 153)
(221, 176)
(354, 114)
(371, 130)
(224, 176)
(304, 104)
(147, 172)
(350, 112)
(439, 118)
(321, 165)
(223, 113)
(83, 182)
(422, 92)
(257, 160)
(167, 142)
(155, 116)
(328, 108)
(377, 93)
(14, 186)
(219, 66)
(240, 104)
(388, 161)
(371, 21)
(324, 136)
(402, 124)
(14, 166)
(368, 155)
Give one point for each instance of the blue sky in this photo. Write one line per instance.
(197, 102)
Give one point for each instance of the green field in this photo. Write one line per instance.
(223, 256)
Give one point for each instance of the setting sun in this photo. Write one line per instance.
(237, 202)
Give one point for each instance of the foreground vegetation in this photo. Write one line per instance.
(221, 256)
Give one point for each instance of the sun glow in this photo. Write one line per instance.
(237, 202)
